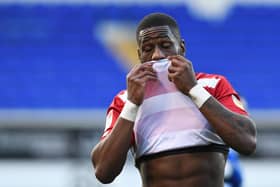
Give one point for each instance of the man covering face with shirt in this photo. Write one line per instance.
(178, 123)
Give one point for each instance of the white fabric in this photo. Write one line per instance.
(168, 119)
(129, 111)
(199, 95)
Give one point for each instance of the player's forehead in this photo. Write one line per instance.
(155, 32)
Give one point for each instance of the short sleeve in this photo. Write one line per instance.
(226, 95)
(113, 112)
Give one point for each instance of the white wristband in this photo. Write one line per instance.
(199, 95)
(129, 111)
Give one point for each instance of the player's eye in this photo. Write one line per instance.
(166, 45)
(147, 48)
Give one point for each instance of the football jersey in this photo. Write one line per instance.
(167, 119)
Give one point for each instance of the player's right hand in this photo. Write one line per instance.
(136, 81)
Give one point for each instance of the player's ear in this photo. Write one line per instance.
(138, 52)
(182, 47)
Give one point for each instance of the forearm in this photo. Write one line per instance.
(109, 155)
(238, 131)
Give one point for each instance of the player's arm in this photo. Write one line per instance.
(109, 155)
(236, 130)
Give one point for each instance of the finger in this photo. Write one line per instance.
(149, 63)
(137, 76)
(139, 69)
(173, 69)
(149, 74)
(172, 76)
(179, 57)
(172, 57)
(175, 62)
(143, 80)
(148, 78)
(148, 67)
(169, 78)
(134, 69)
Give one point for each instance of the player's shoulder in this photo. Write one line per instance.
(202, 75)
(210, 80)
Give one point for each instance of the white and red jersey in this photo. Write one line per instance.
(168, 119)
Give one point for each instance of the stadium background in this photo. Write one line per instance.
(61, 62)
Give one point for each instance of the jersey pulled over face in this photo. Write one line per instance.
(168, 120)
(156, 43)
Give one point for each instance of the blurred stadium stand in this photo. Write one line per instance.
(60, 68)
(51, 56)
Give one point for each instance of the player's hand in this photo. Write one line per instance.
(181, 73)
(136, 81)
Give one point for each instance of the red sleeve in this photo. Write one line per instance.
(113, 113)
(226, 95)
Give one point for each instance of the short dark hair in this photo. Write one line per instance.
(158, 19)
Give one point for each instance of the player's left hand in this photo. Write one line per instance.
(181, 73)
